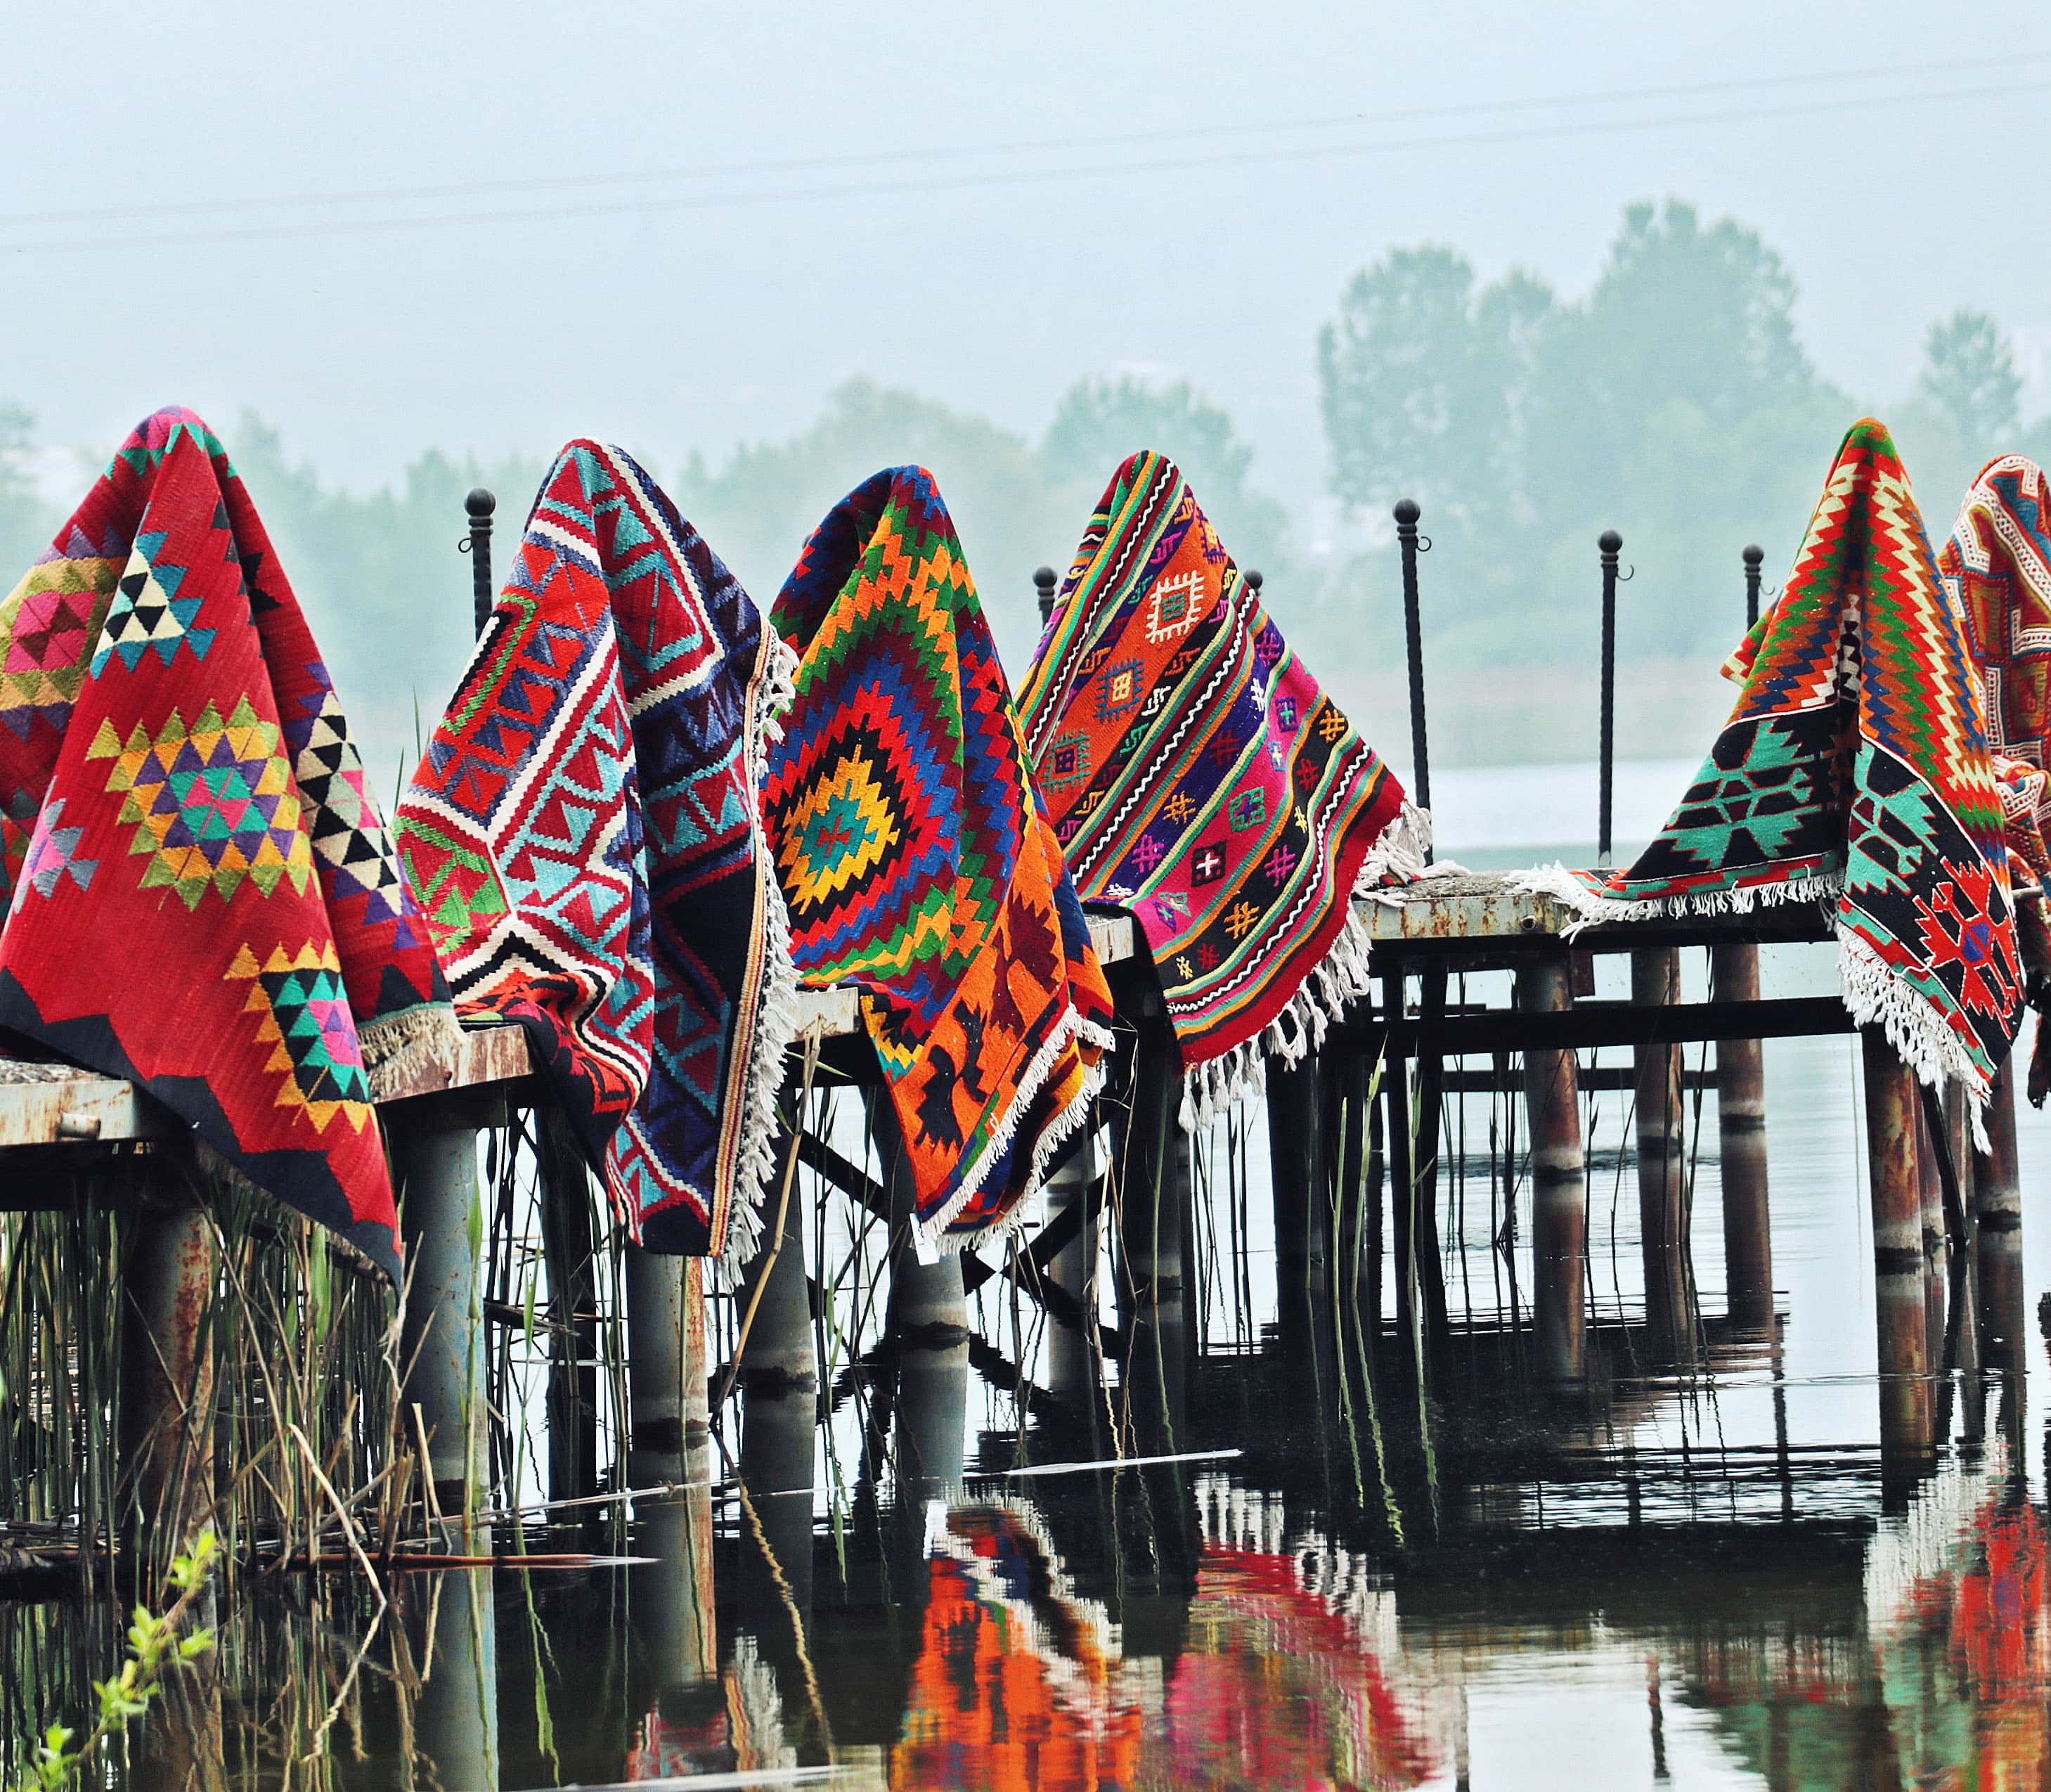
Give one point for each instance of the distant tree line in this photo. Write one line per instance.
(1674, 401)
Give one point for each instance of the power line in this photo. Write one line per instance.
(1037, 146)
(354, 227)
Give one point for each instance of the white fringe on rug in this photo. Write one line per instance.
(777, 1019)
(1590, 910)
(1873, 995)
(1340, 978)
(394, 1041)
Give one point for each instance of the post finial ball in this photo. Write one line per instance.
(1754, 554)
(480, 503)
(1253, 577)
(1610, 541)
(1407, 512)
(1043, 577)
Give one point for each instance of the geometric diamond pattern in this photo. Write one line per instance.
(913, 858)
(306, 1021)
(43, 642)
(212, 805)
(53, 854)
(147, 613)
(343, 822)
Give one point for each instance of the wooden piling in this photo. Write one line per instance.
(928, 1320)
(780, 1379)
(657, 1350)
(1296, 1169)
(1559, 1189)
(675, 1529)
(1997, 1229)
(167, 1358)
(1152, 1267)
(1893, 1111)
(1741, 1141)
(1071, 1357)
(1936, 1261)
(569, 1247)
(433, 1141)
(1662, 1141)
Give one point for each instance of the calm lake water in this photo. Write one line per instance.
(1696, 1579)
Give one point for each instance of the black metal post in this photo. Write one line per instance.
(1407, 514)
(1611, 544)
(1754, 557)
(1043, 584)
(1254, 581)
(480, 504)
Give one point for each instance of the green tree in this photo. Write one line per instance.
(1969, 378)
(1098, 422)
(757, 506)
(1425, 382)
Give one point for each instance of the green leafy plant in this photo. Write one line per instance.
(157, 1649)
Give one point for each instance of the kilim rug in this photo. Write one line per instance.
(1855, 770)
(1996, 568)
(917, 864)
(585, 835)
(200, 896)
(1197, 776)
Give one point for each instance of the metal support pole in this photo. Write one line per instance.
(1611, 544)
(1044, 582)
(1997, 1216)
(1741, 1137)
(480, 504)
(1662, 1139)
(167, 1356)
(1892, 1117)
(1754, 558)
(1409, 546)
(433, 1141)
(1559, 1188)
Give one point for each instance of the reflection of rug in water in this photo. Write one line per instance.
(1956, 1590)
(735, 1726)
(1019, 1683)
(1293, 1674)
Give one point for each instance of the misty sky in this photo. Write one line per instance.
(667, 323)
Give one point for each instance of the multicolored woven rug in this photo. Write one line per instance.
(1197, 775)
(179, 794)
(1855, 770)
(585, 837)
(916, 863)
(1997, 569)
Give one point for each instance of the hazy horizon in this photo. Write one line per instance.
(1210, 249)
